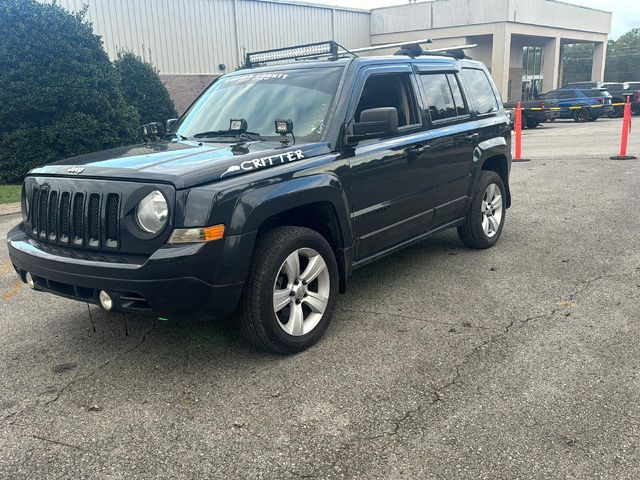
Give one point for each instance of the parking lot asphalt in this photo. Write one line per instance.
(521, 361)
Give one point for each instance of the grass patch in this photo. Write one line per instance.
(10, 193)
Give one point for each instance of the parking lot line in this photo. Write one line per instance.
(13, 291)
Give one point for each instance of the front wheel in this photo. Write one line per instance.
(291, 291)
(485, 218)
(581, 115)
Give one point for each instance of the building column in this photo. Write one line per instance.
(500, 58)
(599, 56)
(550, 64)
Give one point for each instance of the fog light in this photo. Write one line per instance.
(105, 300)
(30, 282)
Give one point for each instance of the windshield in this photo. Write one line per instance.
(301, 95)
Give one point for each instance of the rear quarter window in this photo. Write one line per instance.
(482, 96)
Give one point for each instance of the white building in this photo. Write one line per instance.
(192, 41)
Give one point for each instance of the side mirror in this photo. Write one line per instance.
(169, 124)
(375, 122)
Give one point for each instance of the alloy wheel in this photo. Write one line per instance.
(301, 291)
(491, 210)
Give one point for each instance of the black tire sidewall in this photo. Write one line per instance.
(299, 238)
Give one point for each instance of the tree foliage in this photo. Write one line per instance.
(622, 64)
(142, 88)
(623, 58)
(59, 93)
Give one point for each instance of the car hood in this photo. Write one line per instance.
(183, 163)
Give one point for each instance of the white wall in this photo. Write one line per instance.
(195, 36)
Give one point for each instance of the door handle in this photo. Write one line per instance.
(472, 138)
(419, 148)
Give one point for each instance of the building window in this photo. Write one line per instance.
(531, 61)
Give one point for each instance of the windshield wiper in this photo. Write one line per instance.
(245, 136)
(177, 135)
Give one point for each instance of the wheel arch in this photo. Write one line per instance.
(494, 157)
(318, 202)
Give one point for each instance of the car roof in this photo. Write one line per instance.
(369, 60)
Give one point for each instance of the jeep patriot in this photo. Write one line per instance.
(272, 187)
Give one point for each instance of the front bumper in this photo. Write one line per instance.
(174, 281)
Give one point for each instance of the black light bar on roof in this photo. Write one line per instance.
(329, 48)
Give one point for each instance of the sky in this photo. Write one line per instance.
(626, 13)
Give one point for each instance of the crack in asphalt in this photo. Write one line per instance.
(436, 395)
(417, 319)
(62, 444)
(438, 392)
(101, 366)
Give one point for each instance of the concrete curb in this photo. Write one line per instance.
(10, 209)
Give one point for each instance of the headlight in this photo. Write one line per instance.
(152, 212)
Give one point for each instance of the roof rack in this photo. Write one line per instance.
(413, 49)
(334, 50)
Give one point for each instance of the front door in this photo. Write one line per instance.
(390, 177)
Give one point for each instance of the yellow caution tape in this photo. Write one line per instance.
(577, 107)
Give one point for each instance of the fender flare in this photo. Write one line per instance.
(493, 147)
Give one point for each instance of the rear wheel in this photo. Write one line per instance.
(486, 215)
(581, 115)
(291, 291)
(532, 123)
(617, 112)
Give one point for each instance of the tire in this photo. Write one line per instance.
(582, 115)
(617, 112)
(272, 271)
(473, 232)
(594, 118)
(531, 123)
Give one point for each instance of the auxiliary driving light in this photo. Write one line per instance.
(105, 300)
(30, 282)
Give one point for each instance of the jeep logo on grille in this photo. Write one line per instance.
(76, 170)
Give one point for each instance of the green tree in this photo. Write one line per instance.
(142, 88)
(623, 58)
(59, 93)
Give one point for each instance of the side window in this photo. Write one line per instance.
(390, 90)
(480, 90)
(443, 95)
(566, 94)
(551, 95)
(461, 108)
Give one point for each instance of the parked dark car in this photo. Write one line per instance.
(619, 93)
(581, 105)
(535, 112)
(274, 185)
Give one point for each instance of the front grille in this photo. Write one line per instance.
(75, 218)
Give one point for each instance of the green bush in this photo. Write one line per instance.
(142, 88)
(59, 93)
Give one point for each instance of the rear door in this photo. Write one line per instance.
(454, 139)
(391, 177)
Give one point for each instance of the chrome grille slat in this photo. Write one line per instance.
(77, 218)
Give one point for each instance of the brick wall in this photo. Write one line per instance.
(184, 89)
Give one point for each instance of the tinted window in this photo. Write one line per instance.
(480, 91)
(390, 90)
(461, 108)
(550, 95)
(593, 93)
(566, 94)
(439, 97)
